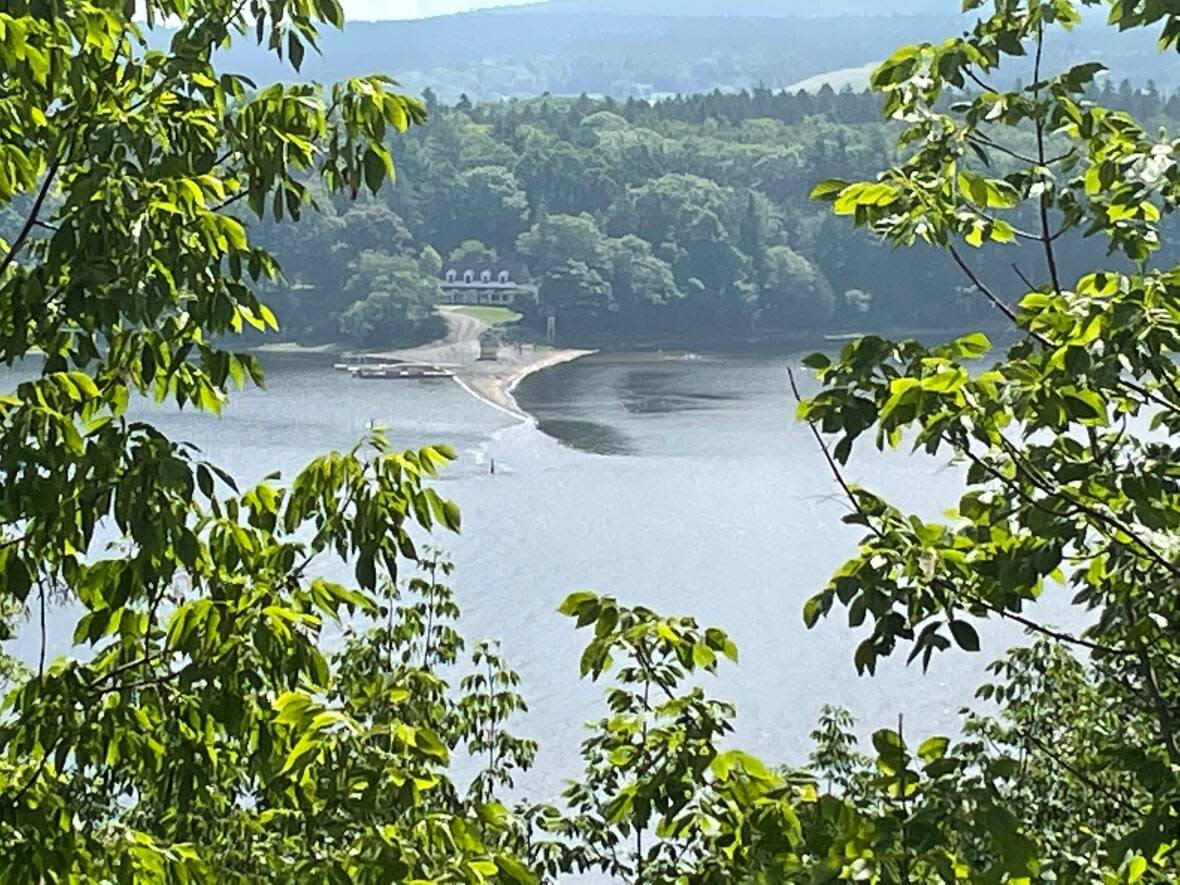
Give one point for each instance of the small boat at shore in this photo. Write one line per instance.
(399, 372)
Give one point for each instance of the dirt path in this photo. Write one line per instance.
(458, 349)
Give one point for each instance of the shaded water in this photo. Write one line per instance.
(682, 484)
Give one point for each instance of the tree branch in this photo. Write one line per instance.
(1143, 392)
(1043, 209)
(36, 775)
(153, 682)
(26, 229)
(41, 654)
(977, 80)
(991, 296)
(230, 201)
(967, 596)
(1078, 773)
(1027, 282)
(1106, 519)
(1160, 706)
(832, 465)
(982, 140)
(97, 684)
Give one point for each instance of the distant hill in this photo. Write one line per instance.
(570, 47)
(503, 53)
(744, 8)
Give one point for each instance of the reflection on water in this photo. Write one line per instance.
(587, 436)
(657, 391)
(605, 405)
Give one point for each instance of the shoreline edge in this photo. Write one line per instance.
(497, 389)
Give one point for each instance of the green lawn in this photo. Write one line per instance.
(493, 316)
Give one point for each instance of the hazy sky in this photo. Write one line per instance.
(376, 9)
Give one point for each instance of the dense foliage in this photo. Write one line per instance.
(682, 220)
(202, 733)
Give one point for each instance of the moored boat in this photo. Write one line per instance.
(399, 372)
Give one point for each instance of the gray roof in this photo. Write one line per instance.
(517, 272)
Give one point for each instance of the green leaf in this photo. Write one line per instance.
(933, 749)
(972, 346)
(515, 870)
(295, 50)
(1085, 405)
(703, 656)
(965, 635)
(828, 189)
(452, 518)
(366, 571)
(374, 170)
(308, 744)
(888, 744)
(574, 603)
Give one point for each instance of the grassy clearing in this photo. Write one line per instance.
(857, 78)
(493, 316)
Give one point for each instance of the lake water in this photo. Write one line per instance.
(681, 484)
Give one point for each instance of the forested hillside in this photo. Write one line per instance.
(682, 220)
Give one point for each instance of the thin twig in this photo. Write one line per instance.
(154, 682)
(1016, 232)
(1041, 629)
(975, 78)
(230, 201)
(1027, 282)
(991, 296)
(1143, 392)
(44, 760)
(1118, 438)
(12, 542)
(1167, 724)
(1076, 772)
(38, 203)
(985, 141)
(823, 447)
(41, 655)
(901, 798)
(1043, 210)
(97, 684)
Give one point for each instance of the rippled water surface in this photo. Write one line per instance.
(681, 483)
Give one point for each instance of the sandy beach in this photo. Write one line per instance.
(492, 381)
